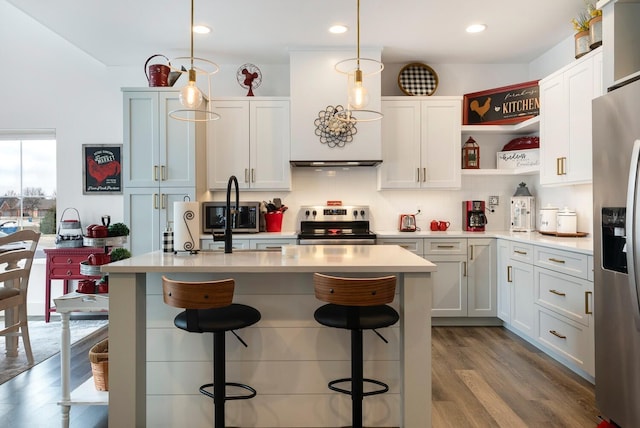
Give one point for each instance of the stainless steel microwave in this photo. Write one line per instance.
(246, 221)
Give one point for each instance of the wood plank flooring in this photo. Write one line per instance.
(489, 377)
(482, 377)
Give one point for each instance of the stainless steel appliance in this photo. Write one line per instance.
(335, 225)
(616, 205)
(473, 216)
(245, 220)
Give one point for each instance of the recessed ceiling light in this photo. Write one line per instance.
(201, 29)
(338, 29)
(476, 28)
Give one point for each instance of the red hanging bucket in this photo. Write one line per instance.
(157, 74)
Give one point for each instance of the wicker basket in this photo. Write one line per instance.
(99, 358)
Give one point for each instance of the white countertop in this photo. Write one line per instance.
(301, 258)
(581, 245)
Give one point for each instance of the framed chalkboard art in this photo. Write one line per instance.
(508, 104)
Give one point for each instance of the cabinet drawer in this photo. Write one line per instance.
(434, 247)
(574, 264)
(521, 252)
(413, 245)
(65, 272)
(571, 341)
(564, 294)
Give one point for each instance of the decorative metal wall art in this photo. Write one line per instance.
(333, 131)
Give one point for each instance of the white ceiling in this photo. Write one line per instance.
(127, 32)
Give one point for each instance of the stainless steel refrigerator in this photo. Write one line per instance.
(616, 204)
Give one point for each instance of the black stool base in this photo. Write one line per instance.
(385, 387)
(252, 392)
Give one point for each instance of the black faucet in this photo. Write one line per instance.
(227, 236)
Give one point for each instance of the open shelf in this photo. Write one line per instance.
(489, 171)
(531, 125)
(87, 394)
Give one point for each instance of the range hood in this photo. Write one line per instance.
(316, 85)
(334, 163)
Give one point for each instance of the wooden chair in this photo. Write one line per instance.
(356, 304)
(16, 257)
(209, 309)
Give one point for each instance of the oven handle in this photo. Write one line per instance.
(355, 241)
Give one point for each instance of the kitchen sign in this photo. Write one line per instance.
(508, 104)
(102, 171)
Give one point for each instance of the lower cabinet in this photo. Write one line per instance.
(465, 283)
(545, 295)
(246, 243)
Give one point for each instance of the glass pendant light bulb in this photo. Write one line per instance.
(190, 95)
(358, 95)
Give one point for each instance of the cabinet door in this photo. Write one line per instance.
(503, 278)
(579, 82)
(481, 278)
(522, 297)
(449, 286)
(269, 145)
(177, 145)
(228, 144)
(400, 168)
(147, 212)
(440, 155)
(141, 148)
(554, 129)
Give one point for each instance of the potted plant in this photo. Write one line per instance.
(581, 26)
(595, 26)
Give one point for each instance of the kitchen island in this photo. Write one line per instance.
(155, 368)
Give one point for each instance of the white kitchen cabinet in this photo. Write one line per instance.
(159, 163)
(420, 143)
(251, 140)
(157, 150)
(565, 121)
(515, 287)
(481, 277)
(464, 286)
(564, 306)
(147, 213)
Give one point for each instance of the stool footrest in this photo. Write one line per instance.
(252, 392)
(382, 390)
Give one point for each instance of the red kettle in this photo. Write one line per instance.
(407, 223)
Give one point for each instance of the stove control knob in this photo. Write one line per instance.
(362, 213)
(315, 213)
(355, 213)
(306, 213)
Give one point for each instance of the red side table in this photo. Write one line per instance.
(64, 264)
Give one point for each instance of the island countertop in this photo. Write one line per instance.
(155, 368)
(299, 258)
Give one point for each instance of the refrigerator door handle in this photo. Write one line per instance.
(633, 229)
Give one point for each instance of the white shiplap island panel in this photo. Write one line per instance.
(156, 369)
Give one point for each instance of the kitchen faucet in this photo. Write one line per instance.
(227, 236)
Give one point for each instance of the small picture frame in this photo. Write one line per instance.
(102, 169)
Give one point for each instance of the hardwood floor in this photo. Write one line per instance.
(489, 377)
(482, 377)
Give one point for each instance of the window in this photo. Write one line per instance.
(28, 183)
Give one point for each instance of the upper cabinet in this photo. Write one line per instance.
(565, 121)
(251, 140)
(420, 143)
(158, 151)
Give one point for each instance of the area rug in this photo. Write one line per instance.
(45, 342)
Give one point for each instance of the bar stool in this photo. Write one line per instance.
(356, 304)
(209, 309)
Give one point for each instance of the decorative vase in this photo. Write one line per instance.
(595, 32)
(582, 43)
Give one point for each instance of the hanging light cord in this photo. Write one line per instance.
(191, 32)
(358, 34)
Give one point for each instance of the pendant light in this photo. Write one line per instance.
(191, 96)
(356, 70)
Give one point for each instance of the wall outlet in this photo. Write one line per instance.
(494, 200)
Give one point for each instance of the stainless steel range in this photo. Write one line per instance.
(335, 225)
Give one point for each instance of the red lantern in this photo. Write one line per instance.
(470, 154)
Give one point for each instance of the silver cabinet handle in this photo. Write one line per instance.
(155, 201)
(253, 175)
(509, 279)
(465, 269)
(155, 173)
(163, 173)
(587, 310)
(470, 252)
(246, 175)
(417, 175)
(424, 175)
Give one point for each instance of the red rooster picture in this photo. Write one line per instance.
(103, 170)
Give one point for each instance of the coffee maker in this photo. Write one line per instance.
(473, 216)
